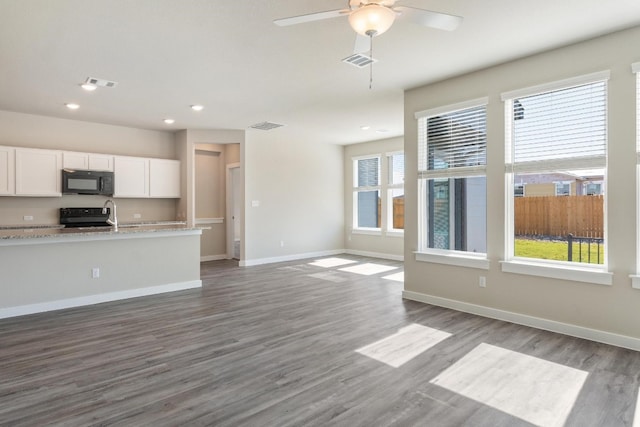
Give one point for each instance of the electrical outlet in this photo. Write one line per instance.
(482, 282)
(282, 243)
(137, 216)
(28, 217)
(95, 273)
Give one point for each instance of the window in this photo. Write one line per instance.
(452, 145)
(563, 188)
(592, 188)
(395, 199)
(366, 195)
(552, 131)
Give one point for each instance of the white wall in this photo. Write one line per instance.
(299, 187)
(611, 309)
(386, 245)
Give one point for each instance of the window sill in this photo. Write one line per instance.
(635, 281)
(565, 272)
(395, 233)
(367, 231)
(457, 258)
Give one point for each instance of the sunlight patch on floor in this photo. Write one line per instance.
(332, 262)
(399, 348)
(396, 277)
(532, 389)
(368, 269)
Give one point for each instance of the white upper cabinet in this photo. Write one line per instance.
(38, 172)
(87, 161)
(72, 160)
(7, 171)
(164, 178)
(100, 162)
(131, 175)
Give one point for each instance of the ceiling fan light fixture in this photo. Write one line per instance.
(372, 19)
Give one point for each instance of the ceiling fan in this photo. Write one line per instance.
(370, 18)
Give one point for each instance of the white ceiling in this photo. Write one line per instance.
(228, 56)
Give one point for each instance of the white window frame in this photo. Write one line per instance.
(581, 272)
(447, 256)
(390, 231)
(376, 231)
(635, 278)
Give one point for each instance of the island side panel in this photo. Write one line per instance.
(48, 273)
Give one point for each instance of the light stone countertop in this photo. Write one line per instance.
(57, 233)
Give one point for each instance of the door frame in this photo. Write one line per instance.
(229, 209)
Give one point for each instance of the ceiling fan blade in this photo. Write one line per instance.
(311, 17)
(427, 18)
(363, 44)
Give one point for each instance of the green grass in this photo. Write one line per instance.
(544, 249)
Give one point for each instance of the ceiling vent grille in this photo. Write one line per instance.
(265, 126)
(359, 60)
(101, 82)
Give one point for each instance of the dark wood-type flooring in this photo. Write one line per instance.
(275, 346)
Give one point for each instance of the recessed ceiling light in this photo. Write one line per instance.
(72, 106)
(197, 107)
(365, 127)
(169, 121)
(89, 87)
(382, 130)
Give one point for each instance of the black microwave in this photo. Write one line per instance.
(87, 182)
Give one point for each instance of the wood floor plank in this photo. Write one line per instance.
(275, 345)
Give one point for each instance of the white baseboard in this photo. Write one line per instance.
(213, 257)
(534, 322)
(260, 261)
(375, 255)
(96, 299)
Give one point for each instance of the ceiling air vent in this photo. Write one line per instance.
(265, 126)
(359, 60)
(101, 82)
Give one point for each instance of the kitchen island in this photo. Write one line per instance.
(45, 268)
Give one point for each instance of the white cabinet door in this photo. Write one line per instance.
(131, 175)
(164, 178)
(87, 161)
(38, 172)
(100, 162)
(72, 160)
(7, 171)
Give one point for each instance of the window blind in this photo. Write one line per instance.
(560, 128)
(396, 169)
(368, 172)
(453, 142)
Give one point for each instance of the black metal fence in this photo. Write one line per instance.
(584, 248)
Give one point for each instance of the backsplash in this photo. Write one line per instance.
(45, 210)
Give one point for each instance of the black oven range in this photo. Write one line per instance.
(84, 217)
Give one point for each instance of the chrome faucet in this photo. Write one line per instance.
(113, 222)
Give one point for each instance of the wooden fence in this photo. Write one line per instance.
(557, 216)
(398, 212)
